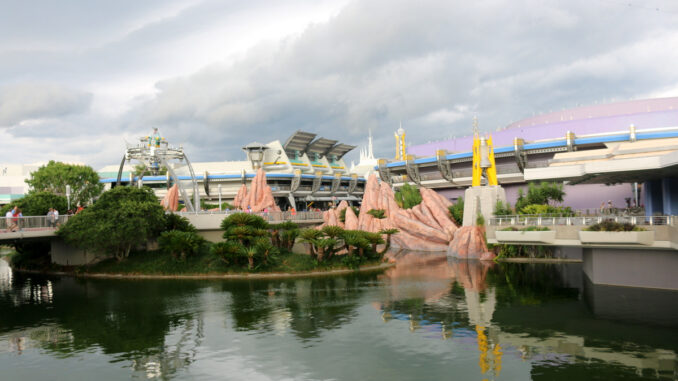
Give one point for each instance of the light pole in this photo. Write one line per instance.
(68, 196)
(219, 188)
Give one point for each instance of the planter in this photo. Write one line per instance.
(617, 238)
(546, 236)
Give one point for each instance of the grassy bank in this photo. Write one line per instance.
(203, 263)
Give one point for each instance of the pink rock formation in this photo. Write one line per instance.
(469, 242)
(259, 196)
(171, 199)
(425, 227)
(350, 220)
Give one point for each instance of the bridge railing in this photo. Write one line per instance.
(553, 220)
(271, 216)
(30, 223)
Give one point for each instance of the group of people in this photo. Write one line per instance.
(13, 219)
(52, 218)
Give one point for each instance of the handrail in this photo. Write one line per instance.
(14, 224)
(553, 220)
(268, 216)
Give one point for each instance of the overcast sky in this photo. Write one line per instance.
(79, 77)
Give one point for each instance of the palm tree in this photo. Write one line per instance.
(389, 233)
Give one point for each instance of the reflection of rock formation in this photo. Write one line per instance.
(258, 197)
(425, 227)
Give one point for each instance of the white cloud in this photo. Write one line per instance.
(26, 101)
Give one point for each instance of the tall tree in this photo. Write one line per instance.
(54, 177)
(120, 220)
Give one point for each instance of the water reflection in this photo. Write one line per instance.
(427, 318)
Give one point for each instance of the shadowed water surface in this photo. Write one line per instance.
(429, 318)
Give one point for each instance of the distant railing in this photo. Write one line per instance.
(553, 220)
(12, 224)
(270, 216)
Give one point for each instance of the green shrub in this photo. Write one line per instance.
(612, 226)
(480, 220)
(542, 194)
(457, 211)
(352, 261)
(37, 204)
(408, 196)
(501, 209)
(244, 227)
(342, 213)
(177, 222)
(229, 251)
(377, 213)
(527, 229)
(542, 209)
(180, 244)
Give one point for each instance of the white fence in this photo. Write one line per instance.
(10, 224)
(549, 220)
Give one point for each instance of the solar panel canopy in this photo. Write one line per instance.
(299, 141)
(340, 150)
(321, 146)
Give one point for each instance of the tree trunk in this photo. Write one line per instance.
(250, 262)
(387, 246)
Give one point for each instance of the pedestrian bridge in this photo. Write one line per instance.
(207, 223)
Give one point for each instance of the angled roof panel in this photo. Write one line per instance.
(299, 141)
(340, 150)
(321, 146)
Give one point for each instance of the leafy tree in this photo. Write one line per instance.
(244, 228)
(545, 193)
(122, 218)
(38, 204)
(408, 196)
(54, 177)
(457, 211)
(228, 251)
(283, 235)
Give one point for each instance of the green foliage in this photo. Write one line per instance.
(283, 235)
(377, 213)
(54, 177)
(541, 209)
(342, 213)
(177, 222)
(543, 194)
(526, 229)
(333, 231)
(524, 251)
(207, 205)
(612, 226)
(501, 209)
(388, 233)
(244, 227)
(352, 261)
(122, 218)
(408, 196)
(31, 255)
(457, 211)
(228, 251)
(180, 244)
(480, 220)
(38, 204)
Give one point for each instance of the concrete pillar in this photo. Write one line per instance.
(652, 196)
(670, 196)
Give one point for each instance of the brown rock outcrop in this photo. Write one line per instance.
(171, 200)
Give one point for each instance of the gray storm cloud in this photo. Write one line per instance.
(27, 101)
(431, 64)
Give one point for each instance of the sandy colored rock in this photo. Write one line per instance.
(171, 200)
(469, 242)
(350, 220)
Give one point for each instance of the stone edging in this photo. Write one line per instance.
(539, 260)
(379, 267)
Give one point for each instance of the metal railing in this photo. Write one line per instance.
(554, 220)
(268, 216)
(12, 224)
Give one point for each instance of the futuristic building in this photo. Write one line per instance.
(538, 148)
(304, 171)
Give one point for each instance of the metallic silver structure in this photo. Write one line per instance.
(155, 152)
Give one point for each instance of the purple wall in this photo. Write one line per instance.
(644, 114)
(582, 196)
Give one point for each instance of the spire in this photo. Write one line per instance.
(475, 126)
(370, 153)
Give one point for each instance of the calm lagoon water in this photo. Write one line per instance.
(428, 319)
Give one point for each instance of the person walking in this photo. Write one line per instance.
(56, 216)
(10, 222)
